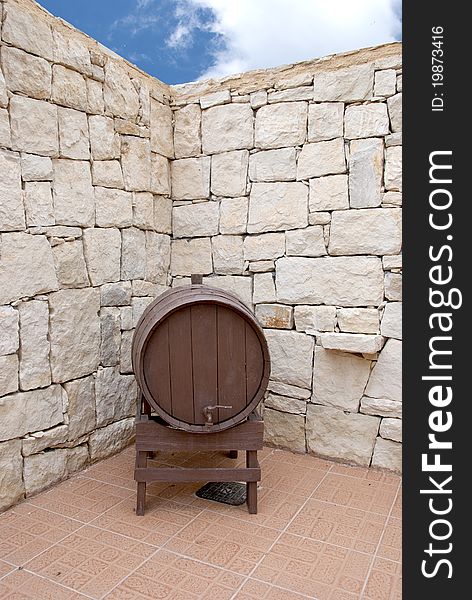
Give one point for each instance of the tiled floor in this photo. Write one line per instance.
(323, 531)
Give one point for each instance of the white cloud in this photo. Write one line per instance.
(264, 33)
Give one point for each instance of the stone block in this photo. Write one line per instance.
(162, 135)
(114, 208)
(261, 266)
(365, 173)
(285, 404)
(290, 391)
(275, 316)
(115, 395)
(227, 253)
(344, 85)
(162, 214)
(339, 379)
(258, 99)
(264, 288)
(36, 168)
(395, 112)
(126, 365)
(385, 82)
(393, 168)
(111, 439)
(281, 125)
(138, 306)
(277, 206)
(221, 97)
(160, 174)
(26, 74)
(34, 126)
(26, 266)
(306, 242)
(321, 158)
(291, 95)
(39, 207)
(9, 340)
(370, 231)
(233, 215)
(68, 88)
(229, 173)
(348, 437)
(12, 216)
(133, 254)
(77, 459)
(366, 120)
(391, 429)
(69, 261)
(73, 134)
(11, 467)
(42, 470)
(381, 407)
(22, 28)
(104, 142)
(120, 95)
(393, 286)
(74, 333)
(110, 336)
(325, 121)
(386, 378)
(40, 409)
(5, 136)
(8, 374)
(194, 220)
(284, 430)
(273, 165)
(81, 406)
(70, 51)
(291, 355)
(315, 318)
(343, 281)
(391, 325)
(358, 320)
(158, 257)
(107, 173)
(191, 256)
(329, 193)
(352, 342)
(95, 101)
(115, 294)
(266, 246)
(187, 125)
(227, 127)
(191, 178)
(74, 202)
(387, 455)
(136, 163)
(35, 371)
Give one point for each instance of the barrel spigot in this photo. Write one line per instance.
(208, 412)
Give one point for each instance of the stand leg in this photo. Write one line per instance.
(141, 462)
(251, 486)
(233, 454)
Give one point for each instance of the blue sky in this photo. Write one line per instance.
(184, 40)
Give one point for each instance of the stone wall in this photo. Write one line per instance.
(85, 223)
(286, 188)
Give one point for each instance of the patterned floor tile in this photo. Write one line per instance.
(384, 582)
(22, 585)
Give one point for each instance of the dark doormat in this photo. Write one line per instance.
(233, 493)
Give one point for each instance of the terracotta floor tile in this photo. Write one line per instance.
(339, 525)
(391, 543)
(22, 585)
(5, 568)
(27, 530)
(384, 582)
(91, 560)
(313, 568)
(366, 473)
(397, 506)
(371, 496)
(261, 590)
(289, 478)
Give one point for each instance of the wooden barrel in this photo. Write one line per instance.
(200, 358)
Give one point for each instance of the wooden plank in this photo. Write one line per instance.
(254, 363)
(151, 435)
(156, 367)
(231, 362)
(204, 357)
(181, 375)
(197, 474)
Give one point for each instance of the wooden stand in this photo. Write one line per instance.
(154, 435)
